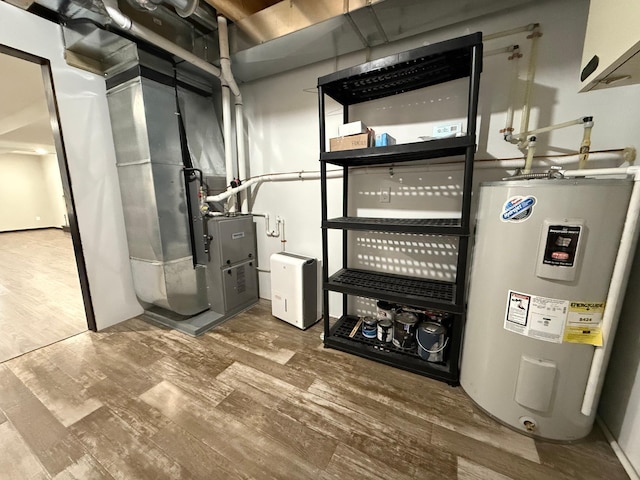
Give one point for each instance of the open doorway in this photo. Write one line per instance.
(44, 295)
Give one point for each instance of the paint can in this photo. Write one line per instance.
(385, 310)
(432, 341)
(404, 329)
(369, 327)
(385, 330)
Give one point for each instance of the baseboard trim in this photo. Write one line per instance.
(31, 229)
(624, 460)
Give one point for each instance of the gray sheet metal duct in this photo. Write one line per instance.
(150, 169)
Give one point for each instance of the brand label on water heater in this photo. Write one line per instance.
(562, 245)
(518, 208)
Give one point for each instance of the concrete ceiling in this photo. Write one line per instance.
(24, 116)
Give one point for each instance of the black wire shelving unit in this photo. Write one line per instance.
(396, 74)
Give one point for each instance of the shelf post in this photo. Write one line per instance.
(472, 114)
(323, 194)
(345, 210)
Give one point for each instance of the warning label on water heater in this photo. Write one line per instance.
(537, 317)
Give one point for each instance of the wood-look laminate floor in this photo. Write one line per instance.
(255, 399)
(40, 297)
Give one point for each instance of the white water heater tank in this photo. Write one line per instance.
(542, 262)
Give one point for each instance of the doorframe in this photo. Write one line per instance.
(58, 139)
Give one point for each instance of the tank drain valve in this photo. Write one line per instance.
(529, 424)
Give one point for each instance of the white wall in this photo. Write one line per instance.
(620, 402)
(55, 193)
(24, 194)
(282, 124)
(90, 155)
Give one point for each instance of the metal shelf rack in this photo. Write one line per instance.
(407, 71)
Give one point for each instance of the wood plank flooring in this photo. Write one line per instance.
(40, 298)
(253, 399)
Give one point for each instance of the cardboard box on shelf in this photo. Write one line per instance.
(352, 128)
(351, 142)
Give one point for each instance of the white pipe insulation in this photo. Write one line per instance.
(227, 131)
(518, 137)
(242, 161)
(526, 28)
(626, 155)
(225, 65)
(618, 285)
(531, 150)
(514, 58)
(225, 62)
(531, 73)
(275, 177)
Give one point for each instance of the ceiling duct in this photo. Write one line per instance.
(94, 43)
(267, 36)
(294, 33)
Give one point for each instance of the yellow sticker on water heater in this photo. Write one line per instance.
(584, 323)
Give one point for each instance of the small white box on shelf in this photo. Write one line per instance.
(352, 128)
